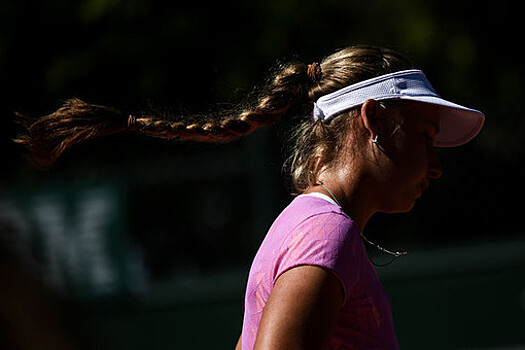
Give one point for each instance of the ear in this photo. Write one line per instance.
(371, 114)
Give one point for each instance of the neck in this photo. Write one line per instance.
(353, 199)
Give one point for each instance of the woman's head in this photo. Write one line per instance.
(319, 145)
(364, 93)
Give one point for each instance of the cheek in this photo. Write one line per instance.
(407, 159)
(417, 160)
(411, 162)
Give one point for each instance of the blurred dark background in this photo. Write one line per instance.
(133, 243)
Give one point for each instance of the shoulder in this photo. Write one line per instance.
(306, 214)
(313, 231)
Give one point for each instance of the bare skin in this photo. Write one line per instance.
(301, 310)
(387, 176)
(239, 343)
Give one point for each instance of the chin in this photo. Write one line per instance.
(407, 209)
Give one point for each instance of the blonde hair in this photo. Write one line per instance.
(316, 144)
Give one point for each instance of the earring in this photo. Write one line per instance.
(374, 140)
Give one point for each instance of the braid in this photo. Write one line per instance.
(272, 103)
(48, 137)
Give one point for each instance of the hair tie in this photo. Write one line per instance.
(314, 72)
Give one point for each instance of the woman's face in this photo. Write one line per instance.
(407, 155)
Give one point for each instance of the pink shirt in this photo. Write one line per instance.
(314, 231)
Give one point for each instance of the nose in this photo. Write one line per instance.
(434, 166)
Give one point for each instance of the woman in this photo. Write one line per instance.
(368, 149)
(366, 145)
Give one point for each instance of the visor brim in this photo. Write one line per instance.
(458, 124)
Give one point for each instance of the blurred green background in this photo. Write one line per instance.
(133, 243)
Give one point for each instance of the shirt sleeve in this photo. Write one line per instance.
(327, 240)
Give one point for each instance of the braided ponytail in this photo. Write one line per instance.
(46, 138)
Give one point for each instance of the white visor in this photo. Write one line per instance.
(458, 124)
